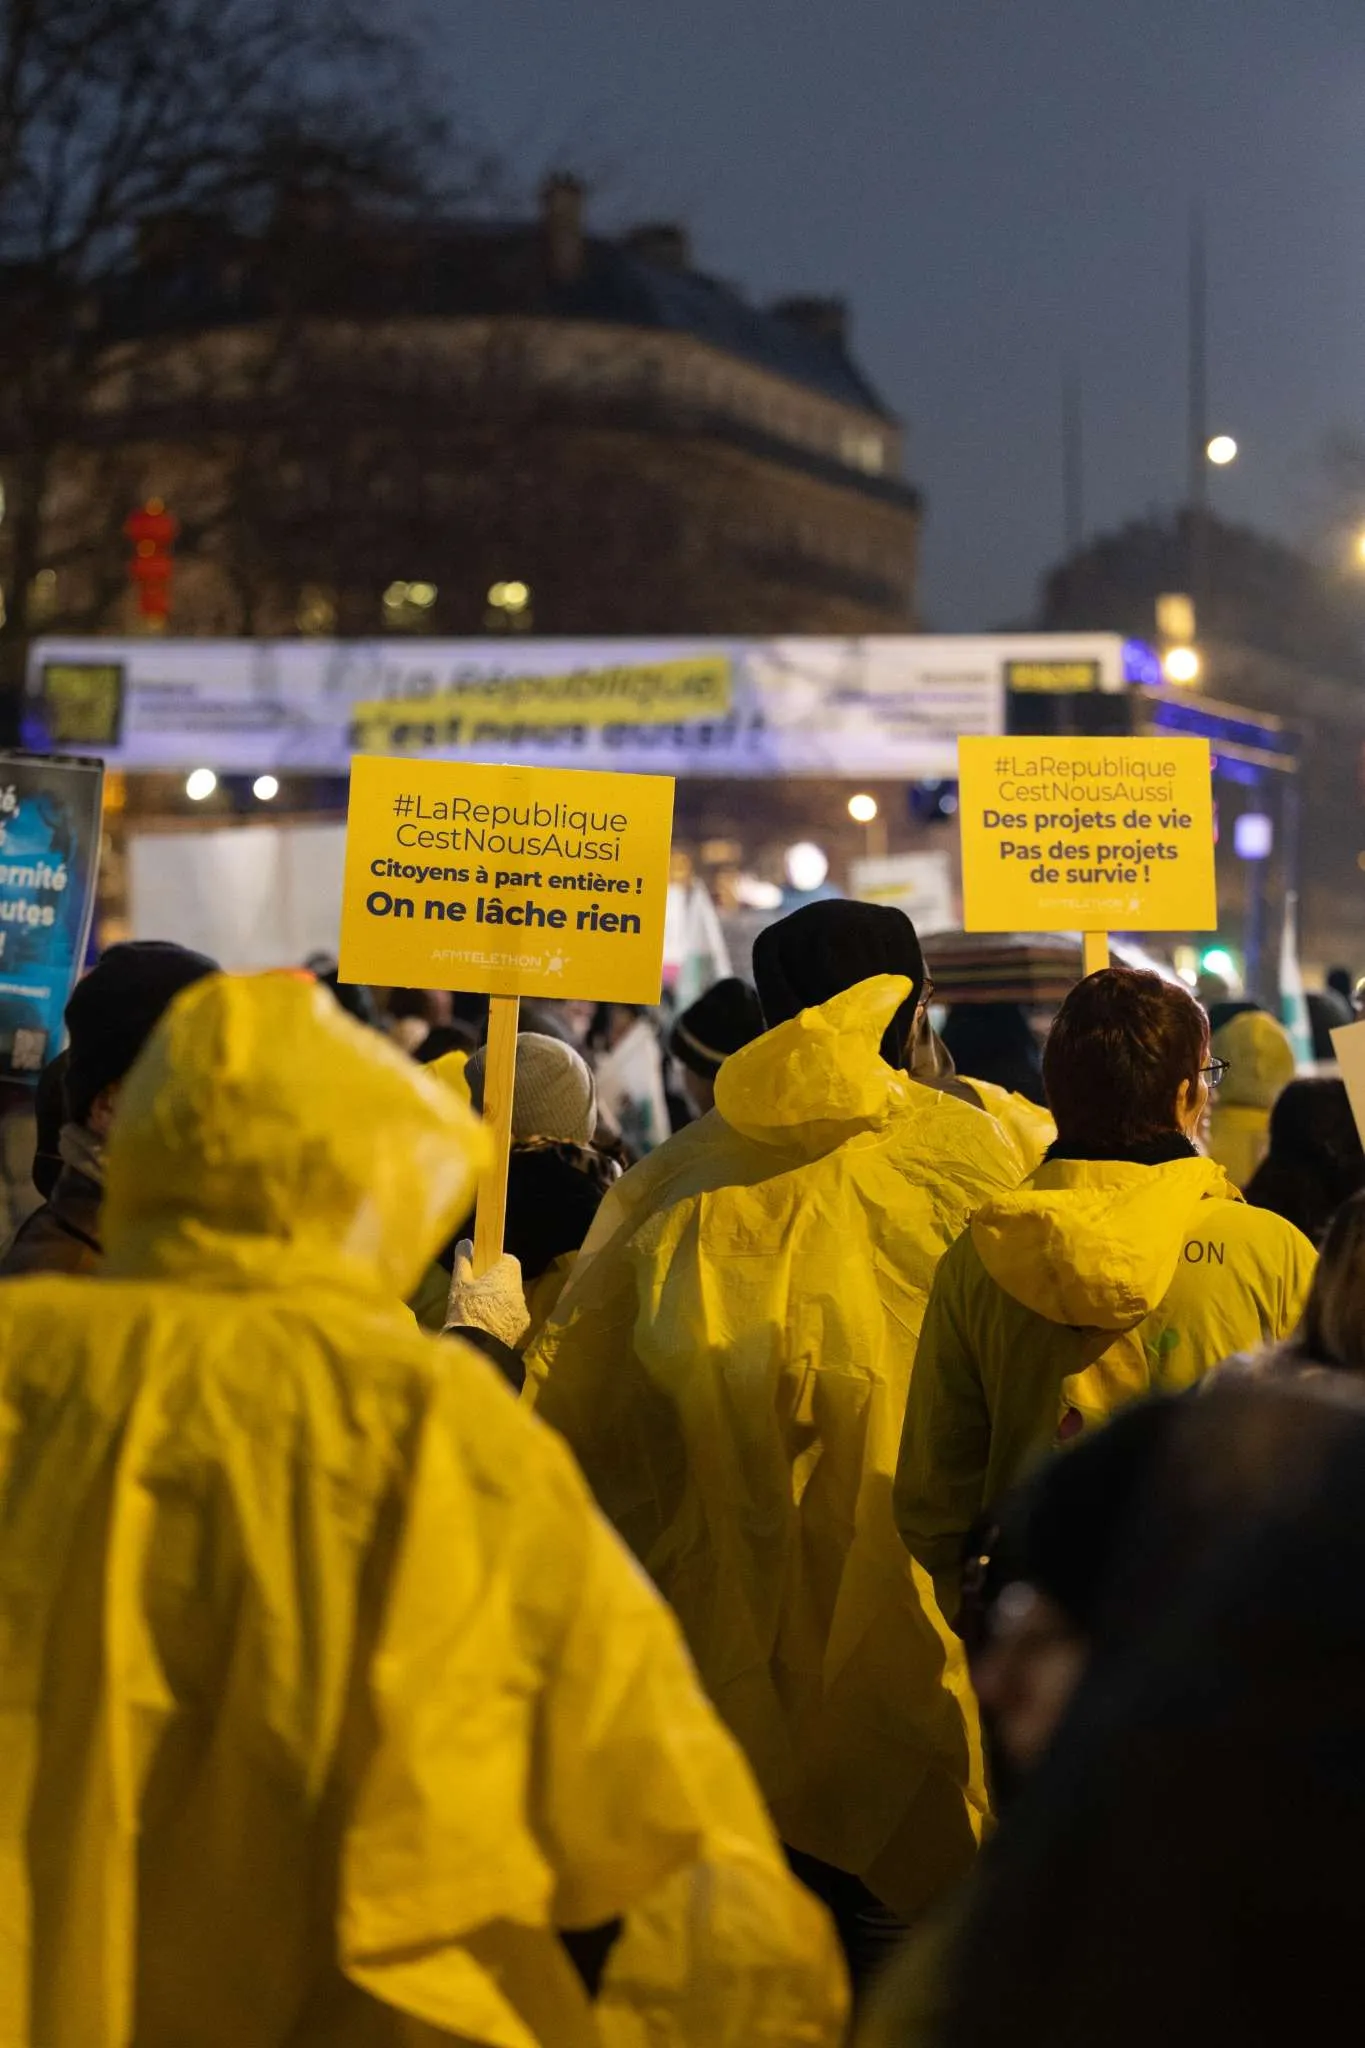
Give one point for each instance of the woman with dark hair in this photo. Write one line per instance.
(1125, 1265)
(1315, 1161)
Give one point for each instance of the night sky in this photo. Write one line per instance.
(1000, 188)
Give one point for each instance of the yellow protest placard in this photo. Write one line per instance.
(1089, 835)
(506, 881)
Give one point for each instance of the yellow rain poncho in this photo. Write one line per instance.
(1030, 1125)
(428, 1301)
(1096, 1283)
(730, 1362)
(328, 1696)
(1260, 1057)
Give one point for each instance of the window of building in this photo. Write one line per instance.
(408, 606)
(42, 597)
(316, 611)
(863, 449)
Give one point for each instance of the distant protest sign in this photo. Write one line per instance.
(1348, 1043)
(481, 711)
(1087, 835)
(50, 812)
(506, 881)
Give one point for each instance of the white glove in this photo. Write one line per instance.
(494, 1302)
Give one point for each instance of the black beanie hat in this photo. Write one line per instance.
(719, 1023)
(114, 1011)
(824, 948)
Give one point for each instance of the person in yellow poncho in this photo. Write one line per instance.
(1126, 1265)
(331, 1703)
(729, 1361)
(1260, 1057)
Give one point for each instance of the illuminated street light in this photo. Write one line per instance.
(200, 783)
(1253, 836)
(1217, 960)
(1181, 665)
(862, 808)
(265, 789)
(807, 866)
(1221, 450)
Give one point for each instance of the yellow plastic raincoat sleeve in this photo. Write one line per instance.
(545, 1758)
(940, 1485)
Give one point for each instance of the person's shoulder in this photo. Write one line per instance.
(45, 1244)
(704, 1158)
(503, 1447)
(958, 1143)
(1248, 1224)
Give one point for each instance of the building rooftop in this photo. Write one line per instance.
(194, 272)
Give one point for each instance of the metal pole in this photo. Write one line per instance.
(1073, 465)
(1291, 827)
(1198, 426)
(1253, 931)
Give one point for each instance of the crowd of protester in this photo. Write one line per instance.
(888, 1523)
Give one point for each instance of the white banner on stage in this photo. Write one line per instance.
(882, 705)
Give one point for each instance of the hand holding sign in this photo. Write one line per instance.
(505, 882)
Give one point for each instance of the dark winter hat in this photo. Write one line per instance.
(114, 1011)
(824, 948)
(728, 1016)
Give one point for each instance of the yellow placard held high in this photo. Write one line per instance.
(1090, 835)
(506, 881)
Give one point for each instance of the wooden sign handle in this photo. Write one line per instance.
(1094, 952)
(499, 1081)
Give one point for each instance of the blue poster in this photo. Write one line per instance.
(50, 810)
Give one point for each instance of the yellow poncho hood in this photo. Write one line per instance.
(1260, 1057)
(266, 1138)
(819, 1078)
(1095, 1244)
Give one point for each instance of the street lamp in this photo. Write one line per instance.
(509, 606)
(1221, 450)
(807, 865)
(1181, 665)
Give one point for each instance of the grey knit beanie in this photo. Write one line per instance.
(555, 1094)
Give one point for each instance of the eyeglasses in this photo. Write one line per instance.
(1215, 1072)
